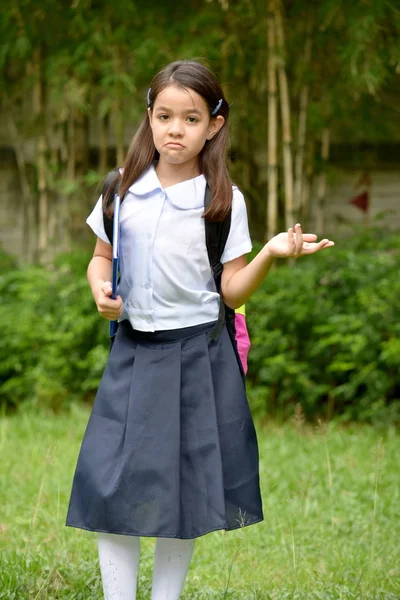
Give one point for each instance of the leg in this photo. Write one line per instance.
(171, 564)
(119, 563)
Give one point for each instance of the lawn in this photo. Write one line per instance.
(331, 528)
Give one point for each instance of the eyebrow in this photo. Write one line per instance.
(190, 110)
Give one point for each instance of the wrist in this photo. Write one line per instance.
(266, 253)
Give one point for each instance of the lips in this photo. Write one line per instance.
(174, 145)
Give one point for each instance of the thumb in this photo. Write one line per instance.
(107, 288)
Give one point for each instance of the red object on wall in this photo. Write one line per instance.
(361, 201)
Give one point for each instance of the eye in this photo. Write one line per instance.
(162, 117)
(192, 120)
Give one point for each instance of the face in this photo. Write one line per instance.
(181, 124)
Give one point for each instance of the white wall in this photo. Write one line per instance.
(384, 199)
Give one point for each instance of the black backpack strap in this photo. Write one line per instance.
(111, 180)
(217, 233)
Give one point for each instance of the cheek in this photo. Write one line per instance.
(201, 136)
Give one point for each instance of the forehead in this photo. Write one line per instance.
(180, 99)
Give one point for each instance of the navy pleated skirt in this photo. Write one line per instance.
(170, 449)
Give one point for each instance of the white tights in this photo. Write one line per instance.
(119, 564)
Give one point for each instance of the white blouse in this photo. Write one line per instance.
(166, 279)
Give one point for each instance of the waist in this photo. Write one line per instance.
(166, 335)
(159, 318)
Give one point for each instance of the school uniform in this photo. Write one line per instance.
(170, 449)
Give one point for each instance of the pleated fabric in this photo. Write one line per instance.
(170, 449)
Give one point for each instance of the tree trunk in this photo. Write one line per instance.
(84, 156)
(29, 229)
(103, 151)
(71, 142)
(285, 116)
(118, 117)
(302, 126)
(42, 148)
(43, 197)
(307, 187)
(272, 209)
(321, 189)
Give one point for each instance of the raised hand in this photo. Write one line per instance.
(294, 244)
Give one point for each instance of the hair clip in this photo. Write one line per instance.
(148, 97)
(216, 109)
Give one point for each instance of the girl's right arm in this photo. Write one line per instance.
(99, 276)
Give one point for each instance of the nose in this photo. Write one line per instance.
(175, 128)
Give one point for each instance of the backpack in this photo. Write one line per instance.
(216, 236)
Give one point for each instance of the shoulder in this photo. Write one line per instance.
(237, 195)
(238, 202)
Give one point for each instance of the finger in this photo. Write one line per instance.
(109, 306)
(291, 242)
(112, 310)
(325, 243)
(107, 288)
(110, 316)
(312, 248)
(310, 237)
(299, 239)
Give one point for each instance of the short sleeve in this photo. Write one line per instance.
(238, 242)
(95, 221)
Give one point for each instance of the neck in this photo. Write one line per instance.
(170, 174)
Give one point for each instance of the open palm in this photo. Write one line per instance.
(294, 243)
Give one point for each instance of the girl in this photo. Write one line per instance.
(170, 450)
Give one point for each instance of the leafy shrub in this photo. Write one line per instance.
(326, 334)
(53, 346)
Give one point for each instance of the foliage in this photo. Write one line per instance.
(88, 80)
(53, 345)
(326, 333)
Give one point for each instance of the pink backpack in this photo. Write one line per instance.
(242, 336)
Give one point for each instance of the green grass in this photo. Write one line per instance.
(331, 529)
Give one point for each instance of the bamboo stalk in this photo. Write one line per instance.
(103, 145)
(302, 126)
(301, 144)
(27, 212)
(85, 129)
(43, 198)
(285, 117)
(272, 209)
(38, 102)
(307, 186)
(321, 189)
(117, 110)
(71, 143)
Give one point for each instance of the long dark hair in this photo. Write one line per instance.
(212, 159)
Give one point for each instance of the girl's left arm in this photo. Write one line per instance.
(239, 280)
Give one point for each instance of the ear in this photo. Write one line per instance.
(215, 126)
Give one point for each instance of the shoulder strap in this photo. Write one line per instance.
(217, 233)
(110, 180)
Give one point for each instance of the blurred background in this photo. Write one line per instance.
(314, 89)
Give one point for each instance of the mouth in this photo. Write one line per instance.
(174, 145)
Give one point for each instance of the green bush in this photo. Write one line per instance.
(53, 345)
(326, 334)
